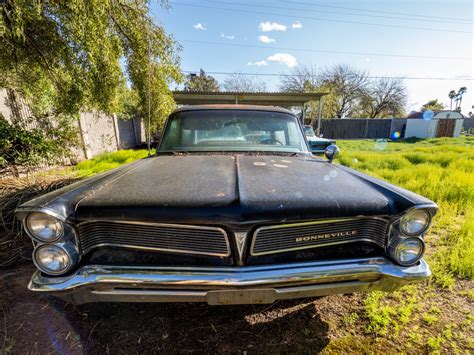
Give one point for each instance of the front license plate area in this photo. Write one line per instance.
(254, 296)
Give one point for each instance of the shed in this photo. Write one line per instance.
(421, 128)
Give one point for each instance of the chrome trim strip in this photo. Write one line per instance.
(317, 246)
(283, 226)
(179, 226)
(24, 211)
(185, 284)
(137, 247)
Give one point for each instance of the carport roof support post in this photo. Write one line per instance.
(320, 110)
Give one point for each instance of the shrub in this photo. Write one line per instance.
(47, 144)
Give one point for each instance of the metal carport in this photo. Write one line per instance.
(282, 99)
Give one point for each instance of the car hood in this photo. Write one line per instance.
(317, 139)
(228, 188)
(239, 188)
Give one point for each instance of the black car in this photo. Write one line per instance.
(232, 209)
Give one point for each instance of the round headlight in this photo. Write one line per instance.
(415, 222)
(408, 251)
(52, 259)
(44, 227)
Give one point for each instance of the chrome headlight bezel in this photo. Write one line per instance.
(70, 253)
(57, 223)
(394, 250)
(411, 213)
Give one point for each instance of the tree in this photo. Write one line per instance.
(459, 95)
(384, 97)
(244, 83)
(451, 95)
(303, 78)
(309, 79)
(346, 86)
(66, 56)
(201, 82)
(432, 105)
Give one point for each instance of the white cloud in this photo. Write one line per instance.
(260, 63)
(271, 26)
(265, 39)
(283, 58)
(297, 24)
(200, 26)
(223, 35)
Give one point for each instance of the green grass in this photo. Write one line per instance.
(440, 169)
(108, 161)
(443, 171)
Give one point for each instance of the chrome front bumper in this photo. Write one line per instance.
(228, 285)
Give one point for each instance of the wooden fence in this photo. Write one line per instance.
(468, 124)
(393, 128)
(362, 128)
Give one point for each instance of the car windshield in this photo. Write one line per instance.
(233, 130)
(309, 131)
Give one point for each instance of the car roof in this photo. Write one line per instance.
(235, 107)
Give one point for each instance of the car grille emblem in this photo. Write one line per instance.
(326, 236)
(240, 238)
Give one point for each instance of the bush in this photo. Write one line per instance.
(47, 144)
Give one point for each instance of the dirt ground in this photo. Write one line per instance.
(39, 324)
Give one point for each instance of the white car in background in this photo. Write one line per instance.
(316, 144)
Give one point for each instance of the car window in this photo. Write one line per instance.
(233, 130)
(308, 131)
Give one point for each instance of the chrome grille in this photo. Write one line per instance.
(297, 236)
(197, 240)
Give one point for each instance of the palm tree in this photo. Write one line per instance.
(452, 95)
(461, 92)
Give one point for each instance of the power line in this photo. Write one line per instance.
(321, 50)
(319, 76)
(334, 12)
(379, 11)
(322, 19)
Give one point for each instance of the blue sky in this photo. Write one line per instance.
(271, 37)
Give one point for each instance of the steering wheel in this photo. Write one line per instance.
(271, 141)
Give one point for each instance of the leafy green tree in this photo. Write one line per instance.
(201, 82)
(66, 56)
(433, 105)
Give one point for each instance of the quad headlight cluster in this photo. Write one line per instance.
(406, 245)
(55, 251)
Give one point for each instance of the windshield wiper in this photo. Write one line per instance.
(173, 152)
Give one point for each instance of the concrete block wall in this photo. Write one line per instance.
(97, 132)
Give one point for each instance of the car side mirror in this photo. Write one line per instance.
(331, 152)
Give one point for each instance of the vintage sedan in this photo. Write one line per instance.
(220, 218)
(316, 144)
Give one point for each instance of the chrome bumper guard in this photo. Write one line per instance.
(228, 285)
